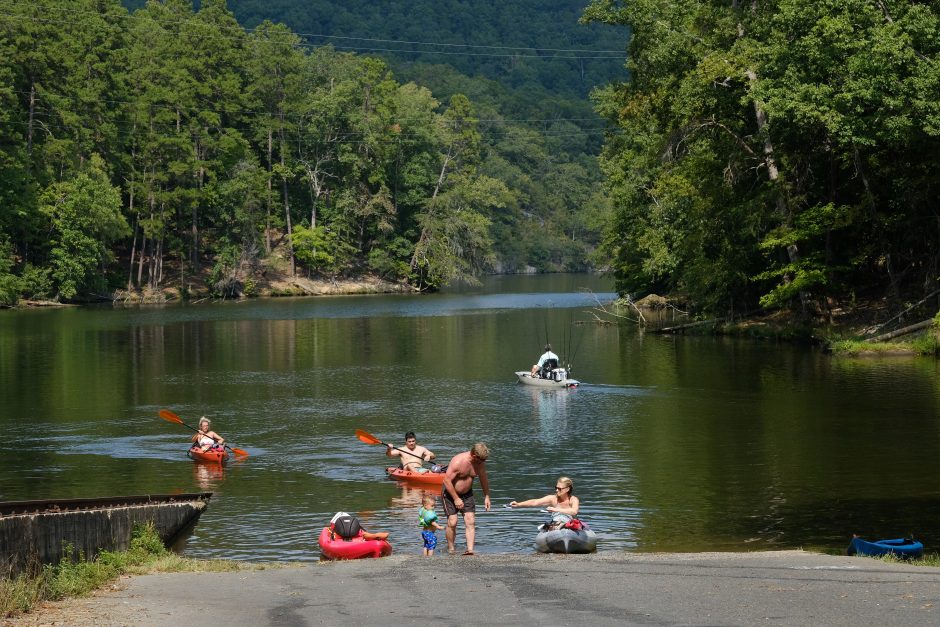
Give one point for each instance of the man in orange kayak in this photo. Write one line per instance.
(412, 456)
(457, 495)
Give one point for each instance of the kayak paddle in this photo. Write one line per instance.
(169, 416)
(368, 438)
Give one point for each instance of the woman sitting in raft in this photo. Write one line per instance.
(561, 502)
(207, 439)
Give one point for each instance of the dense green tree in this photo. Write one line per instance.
(454, 242)
(84, 217)
(175, 141)
(524, 43)
(774, 153)
(9, 283)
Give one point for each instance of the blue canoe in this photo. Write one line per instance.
(901, 547)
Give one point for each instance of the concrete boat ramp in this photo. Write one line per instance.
(765, 588)
(38, 532)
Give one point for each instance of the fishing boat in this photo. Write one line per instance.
(557, 379)
(427, 478)
(212, 456)
(333, 547)
(904, 548)
(566, 540)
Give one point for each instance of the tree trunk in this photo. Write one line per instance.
(140, 266)
(29, 126)
(200, 182)
(290, 231)
(267, 221)
(783, 208)
(159, 263)
(130, 267)
(925, 324)
(159, 273)
(425, 234)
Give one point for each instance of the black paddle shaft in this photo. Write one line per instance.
(404, 451)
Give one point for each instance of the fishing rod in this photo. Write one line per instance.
(577, 346)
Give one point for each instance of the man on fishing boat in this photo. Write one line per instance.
(457, 494)
(546, 356)
(412, 456)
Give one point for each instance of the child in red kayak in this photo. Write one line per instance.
(427, 518)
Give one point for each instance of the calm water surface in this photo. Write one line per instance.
(674, 443)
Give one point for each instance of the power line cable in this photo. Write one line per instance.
(566, 53)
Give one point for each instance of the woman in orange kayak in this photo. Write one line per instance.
(206, 438)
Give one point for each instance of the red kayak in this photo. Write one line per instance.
(432, 478)
(356, 548)
(212, 456)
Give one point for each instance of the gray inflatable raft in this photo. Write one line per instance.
(566, 541)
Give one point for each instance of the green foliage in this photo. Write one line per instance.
(9, 283)
(779, 157)
(532, 29)
(322, 250)
(223, 279)
(455, 243)
(36, 282)
(78, 578)
(170, 140)
(927, 344)
(84, 218)
(391, 260)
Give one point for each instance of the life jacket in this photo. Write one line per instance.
(346, 527)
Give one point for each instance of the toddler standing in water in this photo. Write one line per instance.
(427, 518)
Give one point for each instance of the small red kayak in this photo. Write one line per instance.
(356, 548)
(212, 456)
(432, 478)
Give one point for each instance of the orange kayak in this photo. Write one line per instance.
(212, 456)
(431, 478)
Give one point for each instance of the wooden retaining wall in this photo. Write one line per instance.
(39, 532)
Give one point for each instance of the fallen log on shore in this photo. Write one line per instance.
(689, 325)
(902, 331)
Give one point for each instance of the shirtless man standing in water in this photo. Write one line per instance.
(457, 495)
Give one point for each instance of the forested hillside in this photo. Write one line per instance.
(529, 44)
(776, 154)
(139, 149)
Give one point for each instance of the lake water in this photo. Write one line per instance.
(674, 443)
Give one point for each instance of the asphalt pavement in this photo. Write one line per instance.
(766, 588)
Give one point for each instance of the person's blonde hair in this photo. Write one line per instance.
(426, 499)
(481, 450)
(568, 483)
(205, 420)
